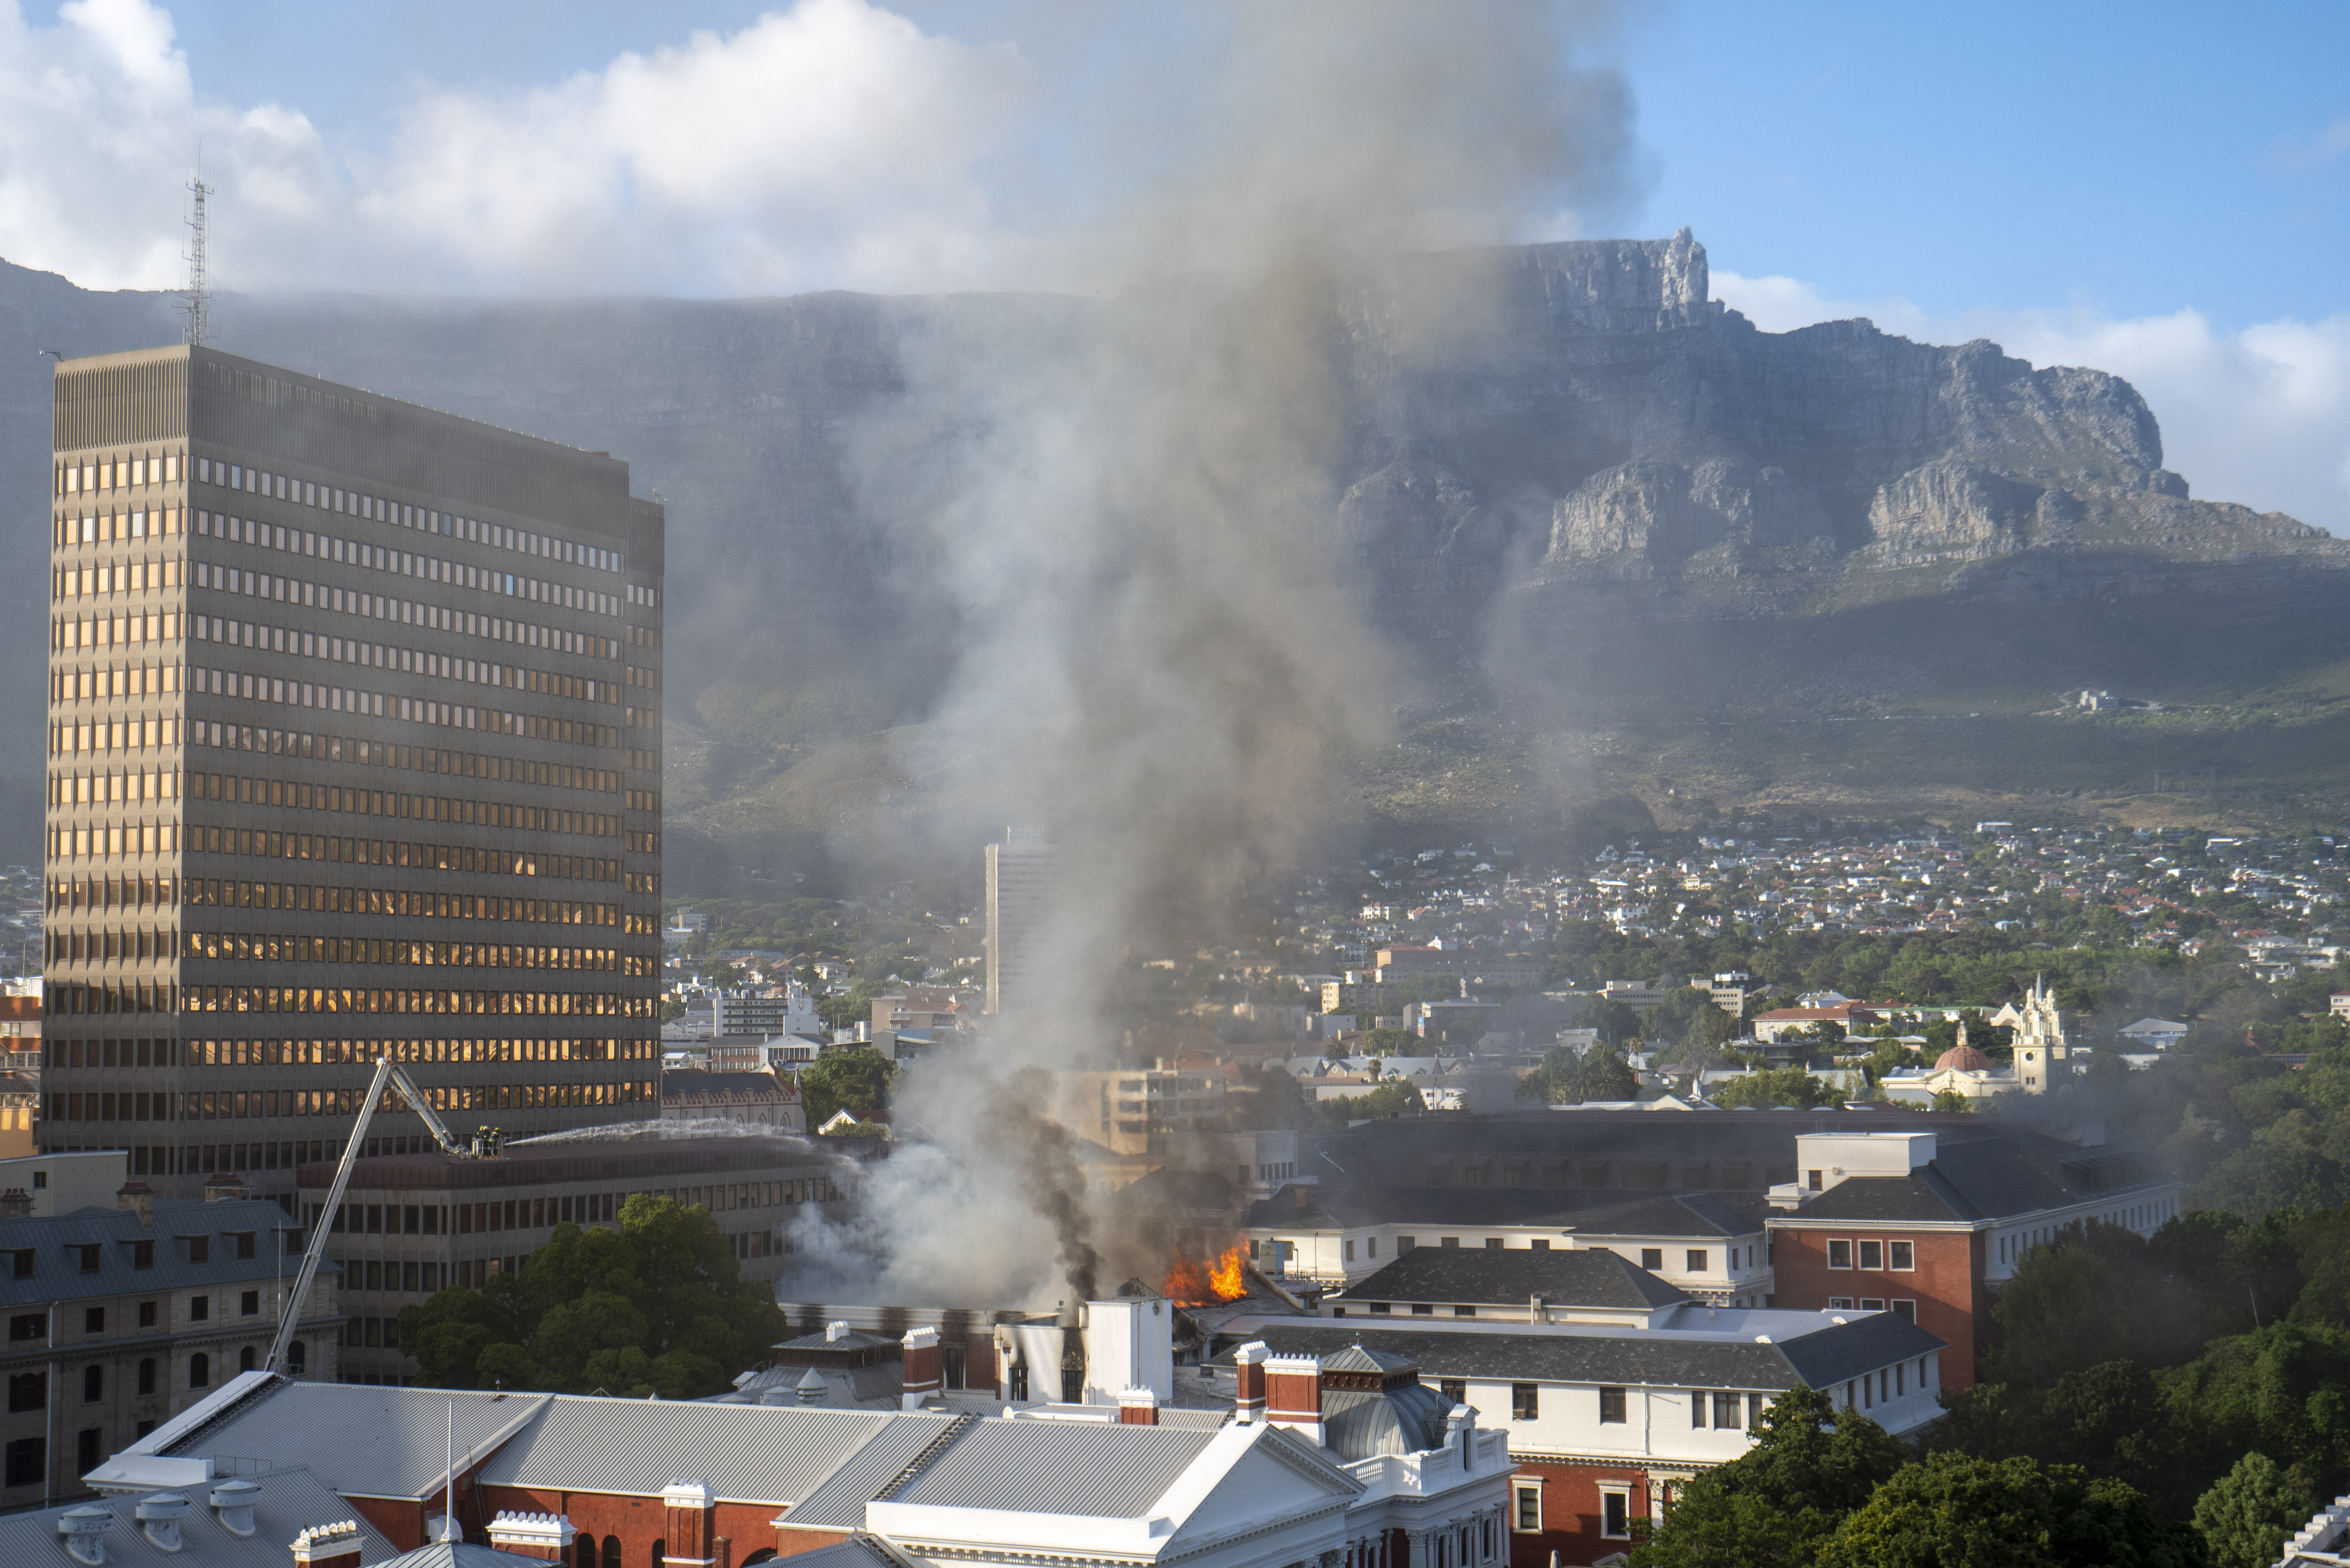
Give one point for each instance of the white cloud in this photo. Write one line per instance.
(829, 142)
(2259, 414)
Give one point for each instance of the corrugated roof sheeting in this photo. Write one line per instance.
(1105, 1472)
(837, 1502)
(363, 1441)
(748, 1453)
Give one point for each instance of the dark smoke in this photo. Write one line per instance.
(1051, 1178)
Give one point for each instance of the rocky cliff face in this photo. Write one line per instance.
(1573, 426)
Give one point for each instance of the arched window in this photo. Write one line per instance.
(612, 1552)
(764, 1555)
(93, 1385)
(147, 1376)
(659, 1554)
(297, 1358)
(200, 1370)
(584, 1551)
(245, 1359)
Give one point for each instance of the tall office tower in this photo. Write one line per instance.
(354, 748)
(1022, 873)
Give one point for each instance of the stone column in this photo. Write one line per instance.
(1415, 1547)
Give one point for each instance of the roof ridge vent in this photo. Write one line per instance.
(926, 1459)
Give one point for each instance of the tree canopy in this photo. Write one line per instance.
(858, 1080)
(1774, 1506)
(657, 1306)
(1567, 1078)
(1956, 1511)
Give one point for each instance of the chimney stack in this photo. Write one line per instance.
(329, 1545)
(925, 1373)
(691, 1510)
(544, 1536)
(1248, 1362)
(1138, 1407)
(136, 1197)
(226, 1187)
(1294, 1393)
(15, 1204)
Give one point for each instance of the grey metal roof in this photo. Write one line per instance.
(1829, 1354)
(1984, 1181)
(837, 1502)
(1706, 1216)
(362, 1441)
(769, 1455)
(1360, 1422)
(857, 1552)
(459, 1554)
(57, 1273)
(289, 1502)
(1494, 1276)
(1102, 1469)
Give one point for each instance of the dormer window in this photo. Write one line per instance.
(200, 1249)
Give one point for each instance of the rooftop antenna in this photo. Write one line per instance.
(198, 307)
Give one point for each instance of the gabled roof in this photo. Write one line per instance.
(1492, 1276)
(1596, 1211)
(1098, 1469)
(768, 1455)
(1818, 1351)
(1973, 1182)
(362, 1441)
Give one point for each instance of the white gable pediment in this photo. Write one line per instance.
(1272, 1478)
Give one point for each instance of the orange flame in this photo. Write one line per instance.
(1193, 1283)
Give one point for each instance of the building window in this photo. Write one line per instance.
(1903, 1255)
(1813, 1179)
(28, 1325)
(1907, 1309)
(1348, 1246)
(146, 1374)
(1526, 1402)
(28, 1461)
(93, 1320)
(1839, 1304)
(1616, 1515)
(1379, 1309)
(200, 1309)
(1462, 1309)
(1455, 1390)
(88, 1448)
(147, 1314)
(1872, 1254)
(93, 1385)
(1540, 1244)
(199, 1371)
(1423, 1309)
(28, 1391)
(249, 1303)
(1611, 1407)
(1448, 1240)
(1652, 1258)
(1526, 1514)
(1726, 1411)
(1872, 1303)
(1405, 1245)
(1696, 1260)
(1839, 1254)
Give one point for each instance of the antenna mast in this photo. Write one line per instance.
(199, 296)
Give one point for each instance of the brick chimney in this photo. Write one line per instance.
(544, 1536)
(686, 1532)
(1138, 1407)
(1248, 1361)
(226, 1187)
(15, 1204)
(136, 1197)
(1294, 1393)
(329, 1545)
(925, 1370)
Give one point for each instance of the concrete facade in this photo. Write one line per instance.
(354, 748)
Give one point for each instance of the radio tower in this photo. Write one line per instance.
(199, 296)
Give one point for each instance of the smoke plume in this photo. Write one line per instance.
(1163, 656)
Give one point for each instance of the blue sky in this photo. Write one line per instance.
(2159, 189)
(2141, 158)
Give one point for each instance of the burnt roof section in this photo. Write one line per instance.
(1493, 1276)
(1831, 1354)
(626, 1159)
(1595, 1210)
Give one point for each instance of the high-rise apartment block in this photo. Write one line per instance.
(354, 748)
(1022, 874)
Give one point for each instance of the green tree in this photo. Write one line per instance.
(1955, 1512)
(657, 1306)
(1391, 1042)
(1774, 1086)
(1391, 1098)
(1810, 1465)
(2249, 1513)
(858, 1080)
(1566, 1077)
(1950, 1100)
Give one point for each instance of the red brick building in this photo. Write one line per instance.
(1931, 1228)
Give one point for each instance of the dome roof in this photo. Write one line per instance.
(1965, 1058)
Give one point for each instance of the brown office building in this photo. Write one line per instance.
(354, 747)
